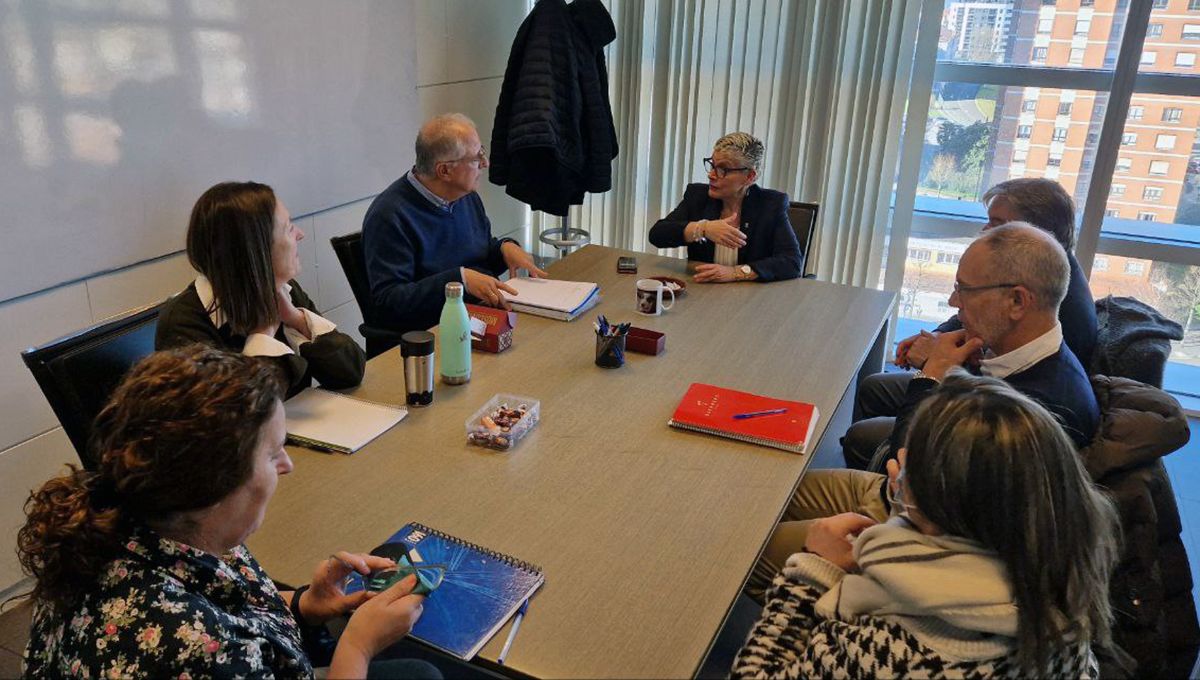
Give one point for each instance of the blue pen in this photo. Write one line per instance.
(755, 414)
(512, 632)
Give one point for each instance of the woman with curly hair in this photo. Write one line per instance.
(141, 568)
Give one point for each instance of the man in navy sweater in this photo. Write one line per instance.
(429, 228)
(1009, 285)
(1039, 201)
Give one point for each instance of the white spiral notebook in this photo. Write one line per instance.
(328, 421)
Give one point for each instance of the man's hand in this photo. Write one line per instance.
(516, 258)
(949, 350)
(714, 273)
(487, 288)
(725, 232)
(830, 537)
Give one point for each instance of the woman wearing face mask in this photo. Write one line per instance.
(243, 243)
(140, 568)
(997, 565)
(737, 230)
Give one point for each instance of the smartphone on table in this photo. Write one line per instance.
(626, 265)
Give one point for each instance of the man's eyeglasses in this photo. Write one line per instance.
(478, 158)
(960, 289)
(720, 171)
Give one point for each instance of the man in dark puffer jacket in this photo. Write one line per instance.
(553, 136)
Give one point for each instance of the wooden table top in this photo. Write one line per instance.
(646, 534)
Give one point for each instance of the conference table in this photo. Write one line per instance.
(646, 534)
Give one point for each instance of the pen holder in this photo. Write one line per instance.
(610, 351)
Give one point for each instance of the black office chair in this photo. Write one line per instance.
(349, 249)
(803, 217)
(78, 372)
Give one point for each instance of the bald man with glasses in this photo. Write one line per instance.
(429, 228)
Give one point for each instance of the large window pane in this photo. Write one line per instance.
(1032, 32)
(1173, 41)
(1156, 186)
(978, 135)
(929, 279)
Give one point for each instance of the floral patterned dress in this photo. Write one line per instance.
(167, 610)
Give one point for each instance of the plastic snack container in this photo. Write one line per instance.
(503, 421)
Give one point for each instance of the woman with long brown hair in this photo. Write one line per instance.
(140, 567)
(242, 241)
(997, 564)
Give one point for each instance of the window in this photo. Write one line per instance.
(1160, 4)
(1029, 105)
(1108, 213)
(1152, 194)
(1172, 115)
(1148, 217)
(1086, 3)
(1076, 56)
(1159, 167)
(1100, 264)
(1191, 31)
(1123, 164)
(1149, 57)
(1064, 109)
(1164, 142)
(1185, 59)
(1060, 134)
(1194, 5)
(1044, 25)
(1054, 161)
(1082, 26)
(919, 255)
(1135, 267)
(1136, 112)
(1039, 53)
(1020, 155)
(947, 258)
(1154, 31)
(1024, 131)
(1128, 138)
(1117, 190)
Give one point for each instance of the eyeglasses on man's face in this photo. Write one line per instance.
(479, 158)
(959, 289)
(720, 171)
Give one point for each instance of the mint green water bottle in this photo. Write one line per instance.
(454, 337)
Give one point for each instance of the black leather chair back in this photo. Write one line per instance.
(803, 217)
(349, 250)
(78, 372)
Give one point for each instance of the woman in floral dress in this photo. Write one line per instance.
(140, 566)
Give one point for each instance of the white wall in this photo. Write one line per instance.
(461, 51)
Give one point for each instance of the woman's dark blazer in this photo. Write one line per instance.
(771, 248)
(333, 358)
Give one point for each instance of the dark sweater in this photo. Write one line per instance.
(334, 358)
(771, 248)
(1076, 314)
(1056, 382)
(414, 248)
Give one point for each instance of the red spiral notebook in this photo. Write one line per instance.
(711, 410)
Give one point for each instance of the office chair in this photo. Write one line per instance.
(349, 250)
(78, 372)
(803, 217)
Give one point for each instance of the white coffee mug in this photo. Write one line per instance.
(650, 297)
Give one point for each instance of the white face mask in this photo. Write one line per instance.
(896, 498)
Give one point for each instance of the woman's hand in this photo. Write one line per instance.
(714, 273)
(724, 232)
(325, 598)
(379, 623)
(830, 538)
(289, 315)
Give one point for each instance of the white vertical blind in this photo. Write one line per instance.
(821, 83)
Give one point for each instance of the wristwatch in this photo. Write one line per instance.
(744, 272)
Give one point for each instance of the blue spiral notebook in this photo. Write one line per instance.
(480, 589)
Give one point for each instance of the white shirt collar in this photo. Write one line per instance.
(1024, 356)
(437, 201)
